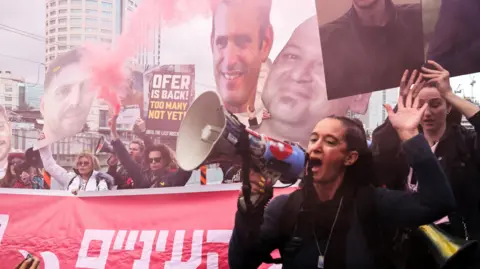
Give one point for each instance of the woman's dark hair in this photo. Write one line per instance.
(167, 155)
(361, 173)
(9, 179)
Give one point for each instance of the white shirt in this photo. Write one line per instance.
(63, 177)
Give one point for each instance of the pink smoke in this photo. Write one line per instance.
(109, 74)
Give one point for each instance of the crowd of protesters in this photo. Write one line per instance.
(422, 166)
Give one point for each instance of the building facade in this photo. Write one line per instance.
(12, 91)
(70, 23)
(148, 54)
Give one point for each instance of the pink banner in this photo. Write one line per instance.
(170, 229)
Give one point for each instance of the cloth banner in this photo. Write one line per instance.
(155, 228)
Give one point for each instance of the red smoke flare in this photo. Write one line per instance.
(108, 69)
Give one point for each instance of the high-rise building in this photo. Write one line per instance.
(33, 95)
(148, 53)
(70, 23)
(12, 91)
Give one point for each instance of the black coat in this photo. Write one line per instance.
(459, 154)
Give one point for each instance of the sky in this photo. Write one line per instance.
(29, 16)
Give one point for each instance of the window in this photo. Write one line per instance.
(62, 2)
(8, 98)
(91, 11)
(52, 31)
(52, 22)
(62, 47)
(75, 21)
(90, 29)
(51, 57)
(91, 21)
(51, 49)
(53, 13)
(106, 40)
(62, 21)
(75, 29)
(62, 29)
(106, 5)
(107, 13)
(8, 88)
(62, 38)
(76, 2)
(62, 11)
(52, 4)
(75, 37)
(92, 3)
(106, 21)
(105, 31)
(76, 10)
(51, 39)
(103, 118)
(90, 38)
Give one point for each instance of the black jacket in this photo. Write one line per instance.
(145, 178)
(396, 208)
(360, 59)
(459, 154)
(456, 41)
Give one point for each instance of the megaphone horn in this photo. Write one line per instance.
(449, 252)
(209, 134)
(103, 146)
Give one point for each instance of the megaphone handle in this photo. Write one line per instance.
(244, 151)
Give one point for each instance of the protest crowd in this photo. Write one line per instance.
(313, 188)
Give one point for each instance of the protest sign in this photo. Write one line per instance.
(67, 99)
(170, 95)
(128, 115)
(163, 228)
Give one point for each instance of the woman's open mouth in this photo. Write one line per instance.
(315, 164)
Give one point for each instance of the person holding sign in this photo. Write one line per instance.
(457, 148)
(162, 170)
(85, 177)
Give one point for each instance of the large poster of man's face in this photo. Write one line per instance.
(67, 99)
(368, 44)
(5, 135)
(241, 41)
(263, 56)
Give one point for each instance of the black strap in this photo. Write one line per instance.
(97, 178)
(71, 180)
(288, 243)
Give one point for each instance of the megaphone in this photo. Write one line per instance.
(103, 146)
(32, 157)
(210, 134)
(449, 252)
